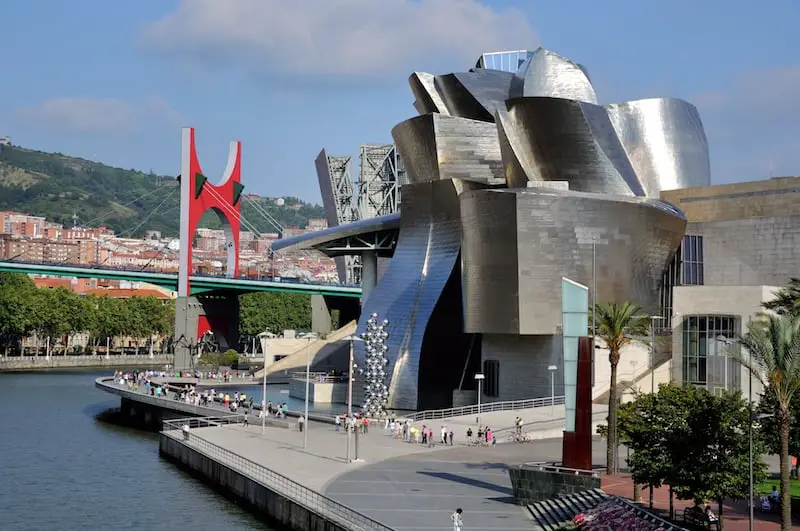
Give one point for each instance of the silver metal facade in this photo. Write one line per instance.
(548, 74)
(426, 253)
(512, 177)
(437, 147)
(517, 244)
(664, 141)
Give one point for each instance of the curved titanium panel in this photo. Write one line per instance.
(575, 142)
(428, 99)
(665, 142)
(491, 88)
(516, 248)
(425, 256)
(548, 74)
(436, 147)
(518, 165)
(460, 101)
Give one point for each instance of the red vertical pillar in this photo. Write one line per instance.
(577, 445)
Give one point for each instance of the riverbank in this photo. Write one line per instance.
(45, 363)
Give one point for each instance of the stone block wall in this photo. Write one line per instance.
(532, 484)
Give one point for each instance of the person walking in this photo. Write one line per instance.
(301, 420)
(338, 422)
(457, 520)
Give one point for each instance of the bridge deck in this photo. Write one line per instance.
(199, 283)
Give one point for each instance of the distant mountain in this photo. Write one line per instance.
(127, 201)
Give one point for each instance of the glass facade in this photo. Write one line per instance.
(692, 260)
(506, 61)
(686, 269)
(709, 360)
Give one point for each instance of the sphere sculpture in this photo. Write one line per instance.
(376, 393)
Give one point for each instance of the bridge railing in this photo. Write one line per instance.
(308, 498)
(489, 407)
(172, 272)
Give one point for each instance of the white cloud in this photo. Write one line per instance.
(98, 115)
(340, 38)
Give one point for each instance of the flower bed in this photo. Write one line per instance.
(613, 516)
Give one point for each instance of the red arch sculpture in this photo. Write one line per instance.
(198, 196)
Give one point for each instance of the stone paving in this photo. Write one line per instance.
(735, 514)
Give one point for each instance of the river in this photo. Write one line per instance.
(61, 468)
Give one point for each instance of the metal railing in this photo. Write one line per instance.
(550, 467)
(319, 377)
(308, 498)
(489, 407)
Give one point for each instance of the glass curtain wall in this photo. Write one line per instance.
(709, 360)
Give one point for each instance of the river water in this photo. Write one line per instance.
(63, 469)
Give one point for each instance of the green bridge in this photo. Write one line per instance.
(199, 284)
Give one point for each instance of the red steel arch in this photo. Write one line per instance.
(198, 196)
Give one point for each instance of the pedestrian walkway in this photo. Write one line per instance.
(735, 514)
(538, 422)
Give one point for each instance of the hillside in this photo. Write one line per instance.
(127, 201)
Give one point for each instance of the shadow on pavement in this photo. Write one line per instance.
(470, 481)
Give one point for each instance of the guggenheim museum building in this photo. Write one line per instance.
(517, 174)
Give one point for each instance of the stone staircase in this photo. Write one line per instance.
(549, 515)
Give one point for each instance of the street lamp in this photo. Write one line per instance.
(351, 367)
(753, 418)
(479, 377)
(304, 424)
(264, 346)
(552, 369)
(653, 319)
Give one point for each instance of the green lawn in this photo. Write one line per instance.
(766, 487)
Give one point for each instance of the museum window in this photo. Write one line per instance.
(692, 261)
(491, 372)
(709, 358)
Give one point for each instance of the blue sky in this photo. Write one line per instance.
(115, 81)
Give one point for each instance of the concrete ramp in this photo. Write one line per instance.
(320, 351)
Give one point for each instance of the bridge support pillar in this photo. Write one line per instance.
(197, 316)
(320, 315)
(369, 273)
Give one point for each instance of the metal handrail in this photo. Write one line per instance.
(308, 498)
(489, 407)
(550, 467)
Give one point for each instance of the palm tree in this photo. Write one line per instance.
(787, 300)
(773, 344)
(616, 323)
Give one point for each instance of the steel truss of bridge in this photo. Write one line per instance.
(199, 284)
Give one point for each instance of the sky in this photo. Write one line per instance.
(115, 81)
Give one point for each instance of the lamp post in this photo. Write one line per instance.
(304, 424)
(351, 367)
(479, 377)
(653, 319)
(552, 369)
(264, 391)
(754, 417)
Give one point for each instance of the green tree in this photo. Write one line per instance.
(273, 312)
(51, 313)
(773, 346)
(714, 459)
(616, 323)
(16, 307)
(787, 300)
(770, 429)
(654, 426)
